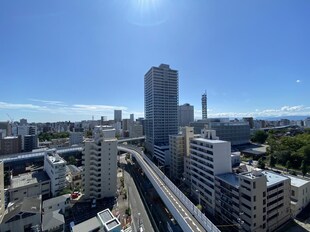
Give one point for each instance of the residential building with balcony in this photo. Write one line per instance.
(99, 176)
(253, 201)
(300, 194)
(208, 157)
(179, 151)
(55, 167)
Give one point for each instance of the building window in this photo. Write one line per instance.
(293, 193)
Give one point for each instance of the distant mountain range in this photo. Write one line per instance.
(297, 117)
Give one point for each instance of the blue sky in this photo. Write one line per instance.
(69, 60)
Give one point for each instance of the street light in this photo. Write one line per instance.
(139, 222)
(197, 191)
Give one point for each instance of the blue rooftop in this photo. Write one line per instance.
(230, 178)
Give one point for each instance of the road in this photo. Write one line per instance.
(137, 206)
(182, 215)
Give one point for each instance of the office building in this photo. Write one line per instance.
(30, 142)
(300, 194)
(2, 199)
(76, 138)
(99, 161)
(30, 185)
(6, 126)
(185, 114)
(161, 97)
(136, 130)
(55, 167)
(132, 118)
(10, 145)
(179, 151)
(237, 133)
(307, 122)
(204, 108)
(253, 201)
(103, 120)
(22, 215)
(208, 157)
(23, 122)
(117, 115)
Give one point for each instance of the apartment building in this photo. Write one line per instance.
(161, 98)
(179, 151)
(208, 157)
(253, 201)
(300, 194)
(99, 178)
(10, 145)
(30, 185)
(55, 167)
(76, 138)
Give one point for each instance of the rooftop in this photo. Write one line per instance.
(230, 178)
(54, 157)
(273, 178)
(105, 216)
(210, 141)
(29, 179)
(298, 182)
(56, 200)
(51, 220)
(88, 225)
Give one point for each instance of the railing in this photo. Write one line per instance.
(200, 217)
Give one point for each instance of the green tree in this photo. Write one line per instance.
(272, 161)
(260, 136)
(89, 133)
(261, 163)
(288, 165)
(303, 168)
(72, 160)
(199, 207)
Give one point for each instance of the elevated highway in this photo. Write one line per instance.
(183, 210)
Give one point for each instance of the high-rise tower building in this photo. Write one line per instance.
(204, 106)
(117, 115)
(161, 97)
(186, 114)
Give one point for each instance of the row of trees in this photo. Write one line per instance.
(48, 136)
(289, 151)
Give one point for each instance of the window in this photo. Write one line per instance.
(264, 194)
(254, 185)
(293, 193)
(254, 198)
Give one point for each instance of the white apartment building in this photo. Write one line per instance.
(300, 194)
(208, 157)
(76, 138)
(253, 201)
(99, 178)
(55, 167)
(30, 185)
(2, 199)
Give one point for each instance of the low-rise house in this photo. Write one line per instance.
(22, 215)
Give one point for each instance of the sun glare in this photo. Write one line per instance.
(147, 12)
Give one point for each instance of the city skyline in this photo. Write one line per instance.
(74, 60)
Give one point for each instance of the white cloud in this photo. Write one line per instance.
(49, 102)
(6, 105)
(282, 111)
(298, 81)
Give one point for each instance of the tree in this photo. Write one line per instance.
(261, 163)
(260, 137)
(288, 165)
(199, 207)
(72, 160)
(272, 161)
(303, 168)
